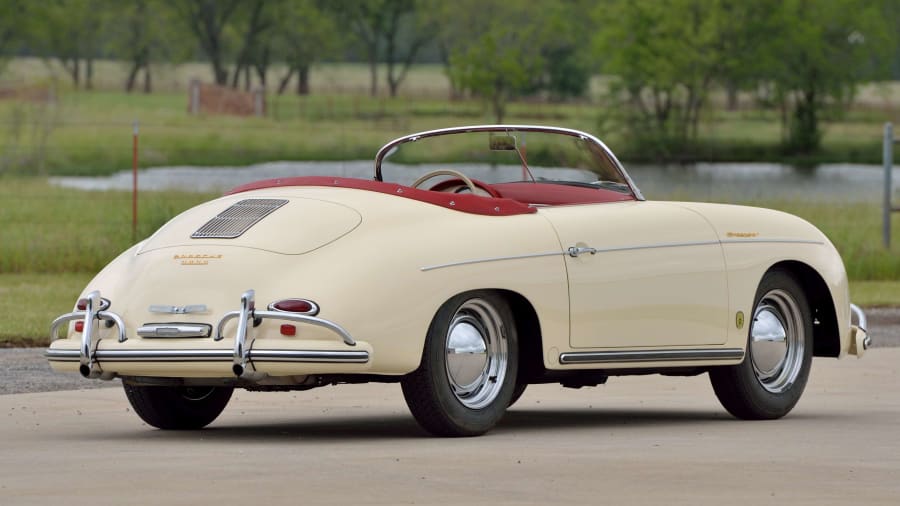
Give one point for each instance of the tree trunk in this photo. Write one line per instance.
(89, 78)
(373, 70)
(132, 76)
(148, 86)
(282, 85)
(732, 94)
(303, 79)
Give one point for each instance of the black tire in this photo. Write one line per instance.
(771, 379)
(178, 408)
(439, 394)
(517, 392)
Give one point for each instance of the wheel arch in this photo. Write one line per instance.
(528, 327)
(826, 333)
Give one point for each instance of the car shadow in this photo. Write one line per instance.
(402, 426)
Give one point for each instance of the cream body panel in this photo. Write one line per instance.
(301, 225)
(774, 237)
(371, 281)
(657, 280)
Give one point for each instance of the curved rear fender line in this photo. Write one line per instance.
(826, 334)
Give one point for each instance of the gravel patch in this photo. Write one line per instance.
(26, 370)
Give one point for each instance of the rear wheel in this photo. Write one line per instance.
(469, 365)
(178, 408)
(517, 392)
(770, 380)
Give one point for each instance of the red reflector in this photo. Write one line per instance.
(82, 304)
(301, 306)
(288, 330)
(79, 326)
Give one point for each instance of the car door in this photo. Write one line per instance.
(641, 274)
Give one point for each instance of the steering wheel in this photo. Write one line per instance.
(445, 172)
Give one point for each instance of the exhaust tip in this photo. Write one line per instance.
(85, 370)
(237, 368)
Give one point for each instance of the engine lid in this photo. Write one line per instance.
(288, 225)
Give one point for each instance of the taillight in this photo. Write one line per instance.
(297, 306)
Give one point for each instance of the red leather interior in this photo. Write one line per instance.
(508, 198)
(465, 202)
(550, 194)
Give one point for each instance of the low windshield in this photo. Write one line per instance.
(506, 156)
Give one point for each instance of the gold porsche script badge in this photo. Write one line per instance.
(201, 259)
(739, 319)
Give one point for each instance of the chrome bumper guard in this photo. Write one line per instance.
(241, 356)
(88, 348)
(862, 324)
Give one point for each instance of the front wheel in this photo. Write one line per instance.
(468, 372)
(178, 408)
(770, 380)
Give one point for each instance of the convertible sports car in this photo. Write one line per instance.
(536, 260)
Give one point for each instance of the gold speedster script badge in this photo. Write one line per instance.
(201, 259)
(743, 235)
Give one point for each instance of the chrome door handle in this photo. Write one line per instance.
(575, 251)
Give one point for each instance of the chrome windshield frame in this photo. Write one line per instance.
(383, 152)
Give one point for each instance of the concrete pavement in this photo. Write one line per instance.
(637, 440)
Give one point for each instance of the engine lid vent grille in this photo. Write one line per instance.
(237, 219)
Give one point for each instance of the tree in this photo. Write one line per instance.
(366, 20)
(824, 50)
(72, 32)
(12, 16)
(404, 20)
(497, 50)
(207, 21)
(257, 20)
(143, 34)
(665, 57)
(304, 34)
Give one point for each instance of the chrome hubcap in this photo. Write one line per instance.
(777, 341)
(476, 354)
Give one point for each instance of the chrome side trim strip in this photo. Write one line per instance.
(613, 357)
(491, 259)
(298, 356)
(570, 253)
(575, 252)
(360, 357)
(656, 246)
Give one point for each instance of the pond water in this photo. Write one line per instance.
(699, 181)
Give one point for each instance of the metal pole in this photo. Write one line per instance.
(888, 156)
(134, 182)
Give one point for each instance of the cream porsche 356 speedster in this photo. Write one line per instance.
(535, 260)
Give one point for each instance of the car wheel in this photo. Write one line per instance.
(178, 408)
(770, 380)
(469, 364)
(517, 392)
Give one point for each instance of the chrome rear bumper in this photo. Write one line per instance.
(859, 336)
(241, 356)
